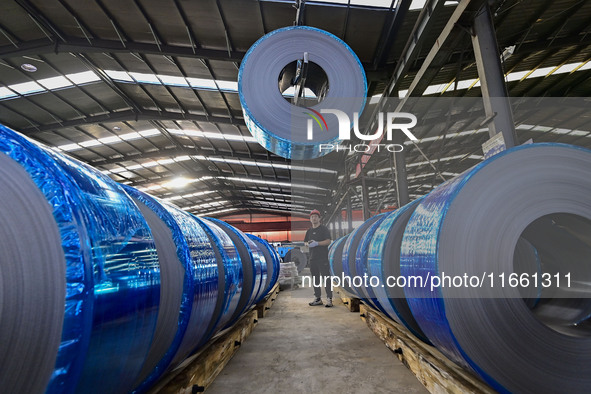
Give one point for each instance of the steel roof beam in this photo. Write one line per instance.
(443, 47)
(423, 25)
(130, 115)
(390, 31)
(39, 18)
(490, 70)
(81, 45)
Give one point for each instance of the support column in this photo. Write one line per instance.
(402, 195)
(349, 214)
(365, 196)
(494, 91)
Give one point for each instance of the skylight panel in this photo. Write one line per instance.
(149, 133)
(173, 198)
(200, 83)
(109, 140)
(146, 78)
(465, 84)
(543, 129)
(173, 81)
(374, 3)
(567, 68)
(375, 98)
(417, 4)
(517, 76)
(218, 136)
(6, 93)
(229, 86)
(55, 82)
(561, 131)
(27, 87)
(272, 183)
(540, 72)
(90, 143)
(217, 212)
(130, 136)
(69, 147)
(83, 77)
(119, 75)
(290, 92)
(433, 89)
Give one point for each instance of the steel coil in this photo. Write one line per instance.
(471, 226)
(362, 269)
(384, 263)
(108, 255)
(279, 126)
(349, 255)
(273, 262)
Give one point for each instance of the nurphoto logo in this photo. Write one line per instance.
(395, 121)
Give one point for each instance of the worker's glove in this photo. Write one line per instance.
(312, 244)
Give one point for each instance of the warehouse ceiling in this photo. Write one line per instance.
(146, 90)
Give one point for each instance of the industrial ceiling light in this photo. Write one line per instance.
(507, 53)
(28, 67)
(178, 183)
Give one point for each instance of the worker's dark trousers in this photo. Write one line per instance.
(319, 270)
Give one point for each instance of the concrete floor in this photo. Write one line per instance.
(299, 348)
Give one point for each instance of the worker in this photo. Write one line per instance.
(317, 239)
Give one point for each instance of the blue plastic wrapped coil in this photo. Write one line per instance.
(384, 262)
(276, 124)
(108, 256)
(471, 225)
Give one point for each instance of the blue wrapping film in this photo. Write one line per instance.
(232, 273)
(183, 250)
(276, 265)
(349, 252)
(257, 261)
(260, 269)
(419, 256)
(275, 262)
(78, 302)
(265, 136)
(202, 271)
(112, 271)
(345, 265)
(379, 264)
(331, 255)
(362, 264)
(126, 288)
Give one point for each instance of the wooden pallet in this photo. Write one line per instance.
(198, 372)
(435, 371)
(352, 303)
(263, 307)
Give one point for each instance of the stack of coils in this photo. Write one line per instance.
(495, 265)
(105, 288)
